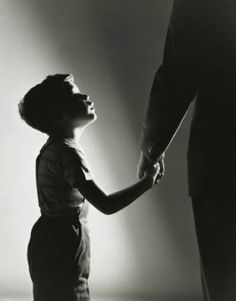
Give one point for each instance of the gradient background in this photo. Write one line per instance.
(113, 48)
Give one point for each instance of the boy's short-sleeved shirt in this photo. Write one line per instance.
(62, 166)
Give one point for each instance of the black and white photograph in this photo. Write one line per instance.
(118, 150)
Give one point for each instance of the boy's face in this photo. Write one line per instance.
(81, 110)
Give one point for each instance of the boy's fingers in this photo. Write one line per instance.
(142, 166)
(140, 174)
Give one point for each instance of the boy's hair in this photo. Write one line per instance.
(39, 101)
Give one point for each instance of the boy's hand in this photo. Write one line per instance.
(151, 173)
(144, 164)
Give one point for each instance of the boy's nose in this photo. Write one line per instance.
(89, 102)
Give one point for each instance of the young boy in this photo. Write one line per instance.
(59, 251)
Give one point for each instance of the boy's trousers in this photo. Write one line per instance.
(59, 259)
(215, 222)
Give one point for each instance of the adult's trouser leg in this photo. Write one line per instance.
(215, 223)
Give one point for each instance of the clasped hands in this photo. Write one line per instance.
(154, 170)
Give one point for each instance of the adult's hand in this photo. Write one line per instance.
(162, 168)
(144, 163)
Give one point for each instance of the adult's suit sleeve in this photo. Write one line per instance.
(175, 83)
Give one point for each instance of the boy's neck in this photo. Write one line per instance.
(67, 133)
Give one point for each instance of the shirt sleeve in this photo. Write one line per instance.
(175, 83)
(75, 167)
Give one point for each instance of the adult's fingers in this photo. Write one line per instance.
(161, 171)
(162, 167)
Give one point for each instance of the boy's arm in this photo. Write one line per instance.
(109, 204)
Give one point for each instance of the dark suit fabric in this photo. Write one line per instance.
(199, 60)
(200, 63)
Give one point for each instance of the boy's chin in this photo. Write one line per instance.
(89, 119)
(92, 117)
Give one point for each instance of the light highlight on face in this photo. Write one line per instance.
(81, 108)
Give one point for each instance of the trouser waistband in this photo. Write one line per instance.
(58, 218)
